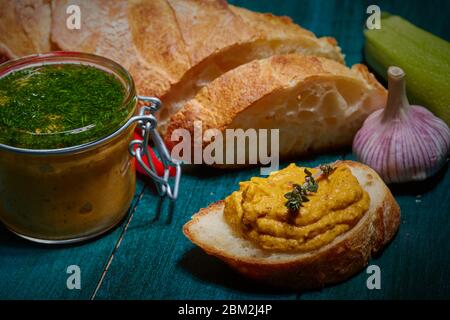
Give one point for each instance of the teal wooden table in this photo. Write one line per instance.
(147, 257)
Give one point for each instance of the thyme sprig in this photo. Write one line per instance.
(326, 169)
(299, 193)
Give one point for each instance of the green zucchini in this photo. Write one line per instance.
(424, 57)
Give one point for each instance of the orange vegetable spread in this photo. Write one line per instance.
(258, 211)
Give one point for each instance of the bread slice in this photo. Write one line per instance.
(208, 26)
(343, 257)
(172, 48)
(156, 40)
(316, 103)
(24, 28)
(265, 35)
(282, 28)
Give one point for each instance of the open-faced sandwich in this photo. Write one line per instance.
(300, 228)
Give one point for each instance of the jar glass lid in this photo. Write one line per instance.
(62, 99)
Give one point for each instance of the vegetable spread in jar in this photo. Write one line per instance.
(66, 174)
(260, 212)
(59, 105)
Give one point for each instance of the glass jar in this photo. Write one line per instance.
(78, 192)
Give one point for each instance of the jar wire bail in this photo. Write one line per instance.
(147, 122)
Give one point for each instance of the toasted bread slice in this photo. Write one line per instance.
(270, 35)
(334, 262)
(316, 103)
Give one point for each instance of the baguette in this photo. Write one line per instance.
(157, 41)
(140, 35)
(271, 35)
(343, 257)
(172, 48)
(316, 103)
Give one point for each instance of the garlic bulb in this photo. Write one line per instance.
(402, 142)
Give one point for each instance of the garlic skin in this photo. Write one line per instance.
(402, 142)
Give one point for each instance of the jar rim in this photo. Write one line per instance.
(80, 58)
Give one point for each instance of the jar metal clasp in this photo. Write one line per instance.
(146, 121)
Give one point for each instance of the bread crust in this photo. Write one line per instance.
(228, 97)
(261, 35)
(238, 89)
(333, 263)
(209, 26)
(158, 41)
(24, 28)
